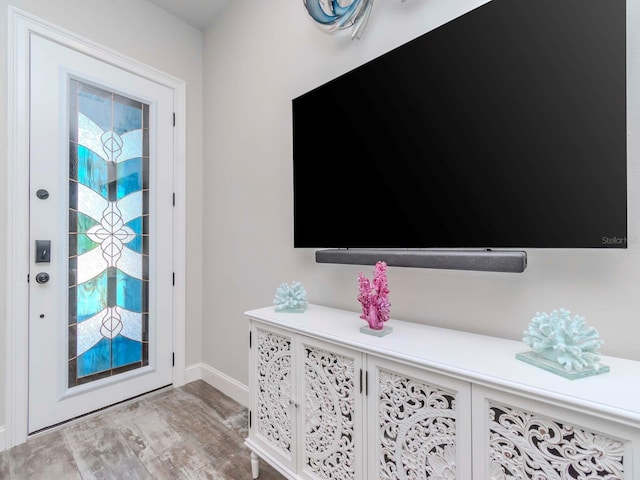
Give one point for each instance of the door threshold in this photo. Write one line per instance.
(94, 413)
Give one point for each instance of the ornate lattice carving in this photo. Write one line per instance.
(329, 450)
(524, 445)
(273, 410)
(417, 430)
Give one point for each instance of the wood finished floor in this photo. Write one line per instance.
(191, 432)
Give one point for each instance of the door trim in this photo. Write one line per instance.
(21, 26)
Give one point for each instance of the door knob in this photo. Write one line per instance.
(42, 277)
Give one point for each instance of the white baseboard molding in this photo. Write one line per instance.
(3, 438)
(223, 382)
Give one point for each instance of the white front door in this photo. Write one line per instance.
(101, 229)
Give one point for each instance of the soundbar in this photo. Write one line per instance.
(478, 260)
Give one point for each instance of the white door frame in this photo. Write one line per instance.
(21, 26)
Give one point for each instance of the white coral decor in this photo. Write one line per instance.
(290, 297)
(565, 340)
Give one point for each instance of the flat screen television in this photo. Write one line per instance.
(504, 128)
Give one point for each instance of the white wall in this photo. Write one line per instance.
(144, 32)
(258, 57)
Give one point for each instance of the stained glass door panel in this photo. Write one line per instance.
(101, 144)
(108, 233)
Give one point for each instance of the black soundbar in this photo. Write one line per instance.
(479, 260)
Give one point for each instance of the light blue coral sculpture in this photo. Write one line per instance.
(290, 298)
(565, 341)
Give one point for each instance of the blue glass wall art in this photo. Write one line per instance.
(334, 15)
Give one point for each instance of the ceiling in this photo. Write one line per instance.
(198, 13)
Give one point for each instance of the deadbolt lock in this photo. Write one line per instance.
(42, 194)
(43, 251)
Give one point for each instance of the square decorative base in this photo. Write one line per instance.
(553, 367)
(376, 333)
(291, 310)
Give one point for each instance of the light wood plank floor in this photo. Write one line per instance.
(191, 432)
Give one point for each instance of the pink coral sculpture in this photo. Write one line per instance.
(374, 297)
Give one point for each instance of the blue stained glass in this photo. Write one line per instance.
(92, 297)
(85, 222)
(85, 244)
(96, 359)
(106, 133)
(136, 244)
(127, 115)
(129, 292)
(136, 225)
(129, 175)
(125, 351)
(93, 171)
(96, 105)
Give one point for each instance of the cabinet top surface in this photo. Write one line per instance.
(477, 358)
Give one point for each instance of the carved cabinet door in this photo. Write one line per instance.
(421, 428)
(331, 409)
(272, 404)
(517, 437)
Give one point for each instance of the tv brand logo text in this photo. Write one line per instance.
(614, 240)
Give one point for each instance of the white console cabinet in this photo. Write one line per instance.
(328, 402)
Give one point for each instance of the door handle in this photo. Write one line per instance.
(42, 277)
(43, 251)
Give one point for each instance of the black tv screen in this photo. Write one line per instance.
(505, 127)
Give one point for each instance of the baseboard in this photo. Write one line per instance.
(3, 438)
(223, 382)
